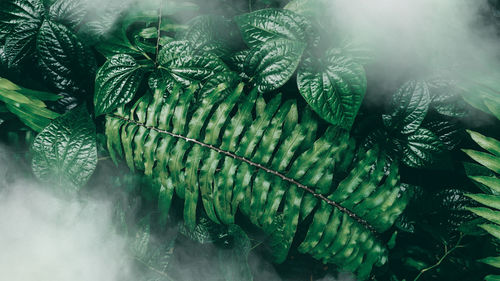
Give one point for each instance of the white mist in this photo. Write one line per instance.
(46, 238)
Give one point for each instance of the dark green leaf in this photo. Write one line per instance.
(15, 13)
(173, 50)
(209, 34)
(205, 231)
(116, 83)
(419, 148)
(179, 65)
(68, 12)
(66, 61)
(102, 24)
(264, 25)
(445, 100)
(405, 224)
(116, 43)
(449, 133)
(65, 152)
(333, 86)
(453, 204)
(410, 105)
(237, 62)
(273, 63)
(21, 43)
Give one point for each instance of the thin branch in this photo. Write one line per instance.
(259, 166)
(446, 254)
(160, 13)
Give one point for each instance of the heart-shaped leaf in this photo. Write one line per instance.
(68, 12)
(263, 25)
(180, 65)
(15, 13)
(209, 34)
(65, 60)
(420, 147)
(410, 104)
(20, 44)
(333, 86)
(116, 83)
(65, 152)
(273, 63)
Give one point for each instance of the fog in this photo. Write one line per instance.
(45, 237)
(423, 36)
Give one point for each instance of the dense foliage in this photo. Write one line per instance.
(244, 130)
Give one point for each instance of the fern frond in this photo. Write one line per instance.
(491, 202)
(264, 159)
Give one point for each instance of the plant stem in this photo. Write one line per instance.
(158, 32)
(446, 253)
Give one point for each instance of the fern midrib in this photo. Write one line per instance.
(306, 188)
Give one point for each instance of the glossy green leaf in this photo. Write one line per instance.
(65, 153)
(117, 81)
(66, 61)
(21, 43)
(16, 13)
(209, 34)
(419, 148)
(410, 104)
(264, 25)
(445, 99)
(237, 62)
(205, 231)
(273, 63)
(450, 134)
(333, 86)
(68, 12)
(179, 65)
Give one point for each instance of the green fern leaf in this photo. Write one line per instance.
(243, 154)
(491, 202)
